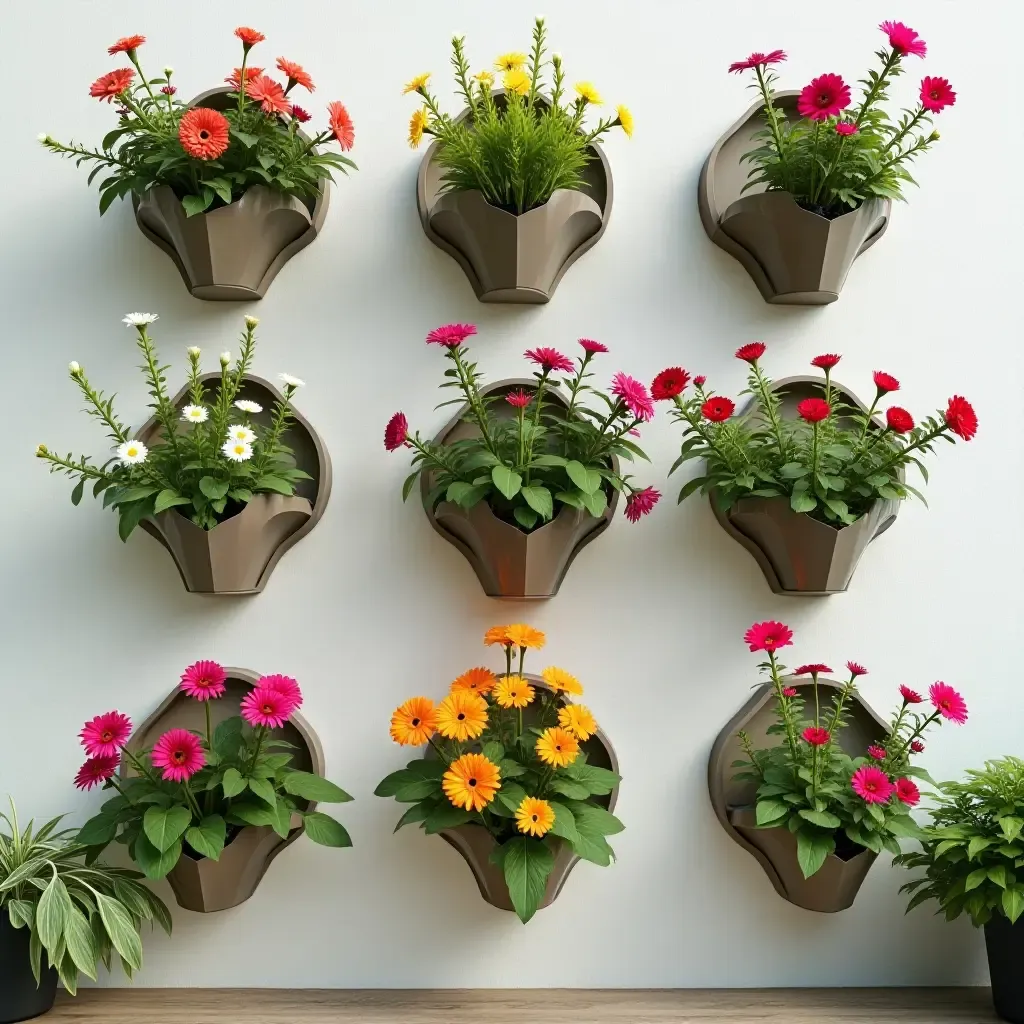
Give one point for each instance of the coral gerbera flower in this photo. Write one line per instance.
(525, 637)
(462, 715)
(961, 418)
(112, 84)
(416, 84)
(634, 396)
(204, 133)
(341, 124)
(451, 335)
(284, 685)
(126, 44)
(871, 784)
(535, 817)
(561, 681)
(497, 635)
(669, 383)
(751, 352)
(557, 747)
(513, 692)
(907, 792)
(814, 410)
(417, 126)
(204, 680)
(471, 782)
(249, 36)
(718, 409)
(514, 61)
(179, 753)
(758, 60)
(768, 636)
(624, 119)
(587, 93)
(936, 94)
(825, 97)
(903, 39)
(549, 359)
(295, 73)
(640, 503)
(577, 719)
(477, 680)
(949, 704)
(104, 735)
(268, 94)
(266, 707)
(96, 771)
(235, 78)
(396, 432)
(414, 722)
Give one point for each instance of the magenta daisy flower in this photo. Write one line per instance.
(871, 784)
(396, 432)
(768, 636)
(903, 39)
(284, 685)
(877, 752)
(812, 670)
(451, 335)
(855, 669)
(591, 346)
(104, 735)
(518, 399)
(204, 680)
(179, 753)
(634, 396)
(96, 771)
(907, 792)
(549, 359)
(640, 503)
(949, 704)
(266, 707)
(758, 60)
(816, 736)
(910, 696)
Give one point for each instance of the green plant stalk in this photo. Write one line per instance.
(769, 408)
(539, 401)
(837, 712)
(902, 133)
(787, 718)
(814, 160)
(256, 753)
(272, 440)
(771, 114)
(476, 406)
(919, 443)
(165, 412)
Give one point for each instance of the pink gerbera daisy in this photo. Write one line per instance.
(855, 669)
(104, 735)
(910, 696)
(790, 691)
(204, 680)
(917, 747)
(936, 94)
(877, 752)
(284, 685)
(451, 335)
(871, 784)
(640, 503)
(549, 359)
(903, 39)
(179, 753)
(518, 399)
(768, 636)
(949, 704)
(266, 707)
(816, 736)
(96, 771)
(812, 670)
(758, 60)
(825, 97)
(907, 792)
(396, 432)
(591, 346)
(846, 128)
(634, 396)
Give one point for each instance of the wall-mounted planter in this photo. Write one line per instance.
(20, 997)
(508, 562)
(835, 886)
(1004, 943)
(795, 257)
(205, 885)
(797, 554)
(232, 253)
(238, 555)
(510, 258)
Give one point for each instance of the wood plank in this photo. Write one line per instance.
(505, 1006)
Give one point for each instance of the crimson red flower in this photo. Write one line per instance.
(235, 78)
(949, 704)
(825, 97)
(768, 636)
(669, 383)
(634, 396)
(789, 691)
(758, 60)
(877, 752)
(204, 133)
(846, 128)
(112, 84)
(907, 792)
(249, 36)
(826, 361)
(295, 73)
(549, 359)
(451, 335)
(751, 352)
(396, 432)
(718, 410)
(871, 784)
(813, 669)
(640, 503)
(917, 747)
(885, 382)
(168, 90)
(961, 417)
(898, 420)
(910, 696)
(591, 346)
(518, 399)
(903, 39)
(104, 735)
(936, 94)
(97, 770)
(817, 737)
(126, 44)
(300, 115)
(855, 669)
(814, 410)
(268, 94)
(700, 380)
(341, 124)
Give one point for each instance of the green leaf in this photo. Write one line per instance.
(153, 863)
(227, 737)
(822, 818)
(587, 480)
(194, 204)
(812, 850)
(975, 878)
(274, 483)
(595, 503)
(1011, 827)
(213, 488)
(539, 499)
(569, 788)
(493, 751)
(76, 494)
(565, 823)
(1013, 903)
(233, 783)
(314, 787)
(525, 516)
(52, 913)
(121, 929)
(768, 811)
(81, 945)
(592, 820)
(168, 498)
(997, 874)
(527, 863)
(247, 813)
(976, 845)
(164, 826)
(264, 789)
(801, 501)
(207, 838)
(323, 829)
(417, 812)
(444, 816)
(508, 481)
(416, 790)
(394, 782)
(245, 138)
(599, 781)
(97, 831)
(794, 470)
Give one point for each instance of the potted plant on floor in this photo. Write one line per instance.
(833, 785)
(805, 476)
(207, 798)
(228, 185)
(972, 855)
(515, 188)
(62, 914)
(802, 184)
(212, 475)
(524, 476)
(515, 776)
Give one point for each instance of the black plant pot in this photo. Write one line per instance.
(1005, 945)
(20, 997)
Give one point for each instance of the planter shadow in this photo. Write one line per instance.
(794, 256)
(232, 253)
(20, 997)
(835, 886)
(508, 257)
(199, 883)
(508, 562)
(238, 555)
(1004, 943)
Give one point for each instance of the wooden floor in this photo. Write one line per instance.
(561, 1006)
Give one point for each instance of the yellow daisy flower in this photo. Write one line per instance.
(517, 82)
(535, 817)
(577, 719)
(521, 635)
(485, 78)
(477, 680)
(625, 120)
(588, 93)
(416, 84)
(561, 681)
(471, 782)
(557, 747)
(513, 692)
(417, 126)
(514, 61)
(462, 715)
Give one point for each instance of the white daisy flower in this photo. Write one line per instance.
(242, 433)
(131, 453)
(237, 451)
(292, 382)
(43, 137)
(194, 351)
(252, 322)
(195, 413)
(139, 319)
(225, 358)
(74, 368)
(246, 406)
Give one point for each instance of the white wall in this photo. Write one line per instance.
(373, 606)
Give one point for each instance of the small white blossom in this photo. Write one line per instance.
(168, 72)
(237, 451)
(139, 319)
(242, 433)
(43, 137)
(246, 406)
(195, 413)
(194, 352)
(292, 382)
(225, 358)
(131, 453)
(252, 322)
(74, 368)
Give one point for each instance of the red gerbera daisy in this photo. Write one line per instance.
(917, 747)
(752, 352)
(204, 680)
(768, 636)
(235, 78)
(907, 792)
(634, 396)
(249, 36)
(451, 335)
(961, 418)
(718, 409)
(936, 94)
(949, 704)
(871, 784)
(341, 124)
(825, 97)
(591, 346)
(856, 670)
(814, 669)
(179, 753)
(885, 382)
(268, 94)
(396, 432)
(814, 410)
(104, 735)
(910, 696)
(826, 361)
(265, 707)
(846, 128)
(204, 133)
(549, 359)
(877, 752)
(758, 60)
(700, 380)
(903, 39)
(284, 685)
(295, 73)
(300, 115)
(669, 383)
(96, 771)
(518, 399)
(126, 44)
(790, 691)
(816, 736)
(640, 503)
(898, 420)
(112, 84)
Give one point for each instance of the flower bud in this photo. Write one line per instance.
(74, 369)
(252, 322)
(168, 72)
(193, 351)
(225, 358)
(42, 451)
(936, 136)
(43, 138)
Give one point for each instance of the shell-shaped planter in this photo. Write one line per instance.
(232, 253)
(835, 885)
(795, 257)
(238, 555)
(799, 555)
(508, 562)
(199, 883)
(508, 257)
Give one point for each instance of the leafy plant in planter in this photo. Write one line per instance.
(191, 794)
(505, 756)
(529, 465)
(78, 913)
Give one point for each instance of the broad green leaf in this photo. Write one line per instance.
(76, 494)
(416, 790)
(151, 861)
(592, 820)
(976, 878)
(30, 868)
(213, 488)
(539, 499)
(248, 813)
(121, 929)
(417, 812)
(507, 480)
(314, 787)
(233, 783)
(196, 204)
(587, 480)
(997, 874)
(1013, 903)
(565, 823)
(81, 945)
(52, 913)
(511, 795)
(976, 845)
(323, 829)
(493, 751)
(771, 810)
(264, 790)
(394, 782)
(525, 516)
(812, 851)
(599, 781)
(164, 826)
(527, 863)
(595, 503)
(207, 838)
(569, 788)
(445, 815)
(168, 498)
(1011, 827)
(801, 501)
(822, 818)
(276, 484)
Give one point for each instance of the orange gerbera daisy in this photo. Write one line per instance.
(268, 94)
(561, 681)
(525, 636)
(471, 782)
(235, 78)
(557, 747)
(479, 680)
(203, 133)
(249, 36)
(535, 817)
(341, 124)
(577, 719)
(462, 715)
(112, 84)
(414, 722)
(126, 44)
(296, 74)
(497, 635)
(513, 692)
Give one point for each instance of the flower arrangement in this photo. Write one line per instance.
(973, 851)
(210, 458)
(528, 465)
(192, 793)
(79, 912)
(834, 802)
(209, 158)
(832, 462)
(518, 146)
(505, 754)
(838, 155)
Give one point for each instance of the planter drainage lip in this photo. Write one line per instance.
(534, 570)
(210, 564)
(741, 222)
(510, 258)
(834, 887)
(20, 997)
(200, 884)
(160, 217)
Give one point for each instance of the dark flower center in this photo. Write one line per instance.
(461, 716)
(106, 735)
(203, 134)
(472, 782)
(178, 757)
(415, 722)
(266, 709)
(534, 817)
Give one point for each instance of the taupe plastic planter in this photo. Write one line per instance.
(835, 886)
(510, 258)
(508, 562)
(232, 253)
(797, 554)
(794, 256)
(238, 555)
(205, 885)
